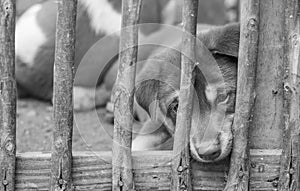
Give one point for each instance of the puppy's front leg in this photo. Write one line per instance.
(153, 136)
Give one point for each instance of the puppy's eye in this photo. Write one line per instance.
(215, 52)
(222, 98)
(172, 110)
(174, 106)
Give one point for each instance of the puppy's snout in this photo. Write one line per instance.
(210, 152)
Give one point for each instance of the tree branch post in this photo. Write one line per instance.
(123, 97)
(7, 95)
(238, 178)
(289, 171)
(181, 168)
(61, 158)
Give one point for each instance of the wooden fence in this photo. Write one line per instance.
(267, 112)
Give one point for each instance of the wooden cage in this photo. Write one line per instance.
(266, 127)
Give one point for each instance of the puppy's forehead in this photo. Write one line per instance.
(207, 35)
(211, 35)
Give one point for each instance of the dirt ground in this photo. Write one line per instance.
(35, 127)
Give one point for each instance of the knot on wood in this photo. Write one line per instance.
(5, 182)
(252, 24)
(8, 7)
(62, 184)
(121, 183)
(183, 186)
(9, 146)
(275, 183)
(241, 174)
(261, 168)
(292, 171)
(180, 168)
(274, 92)
(59, 143)
(295, 39)
(290, 89)
(253, 165)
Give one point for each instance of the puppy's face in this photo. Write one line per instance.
(212, 116)
(214, 94)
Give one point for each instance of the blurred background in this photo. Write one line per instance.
(35, 117)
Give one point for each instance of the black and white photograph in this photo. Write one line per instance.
(145, 95)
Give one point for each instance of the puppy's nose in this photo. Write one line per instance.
(210, 152)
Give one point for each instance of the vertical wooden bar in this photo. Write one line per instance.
(267, 116)
(7, 95)
(267, 127)
(238, 178)
(123, 97)
(181, 156)
(289, 172)
(61, 158)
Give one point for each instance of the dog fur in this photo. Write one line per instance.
(157, 90)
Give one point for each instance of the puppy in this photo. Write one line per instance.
(157, 91)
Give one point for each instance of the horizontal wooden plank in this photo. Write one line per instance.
(152, 171)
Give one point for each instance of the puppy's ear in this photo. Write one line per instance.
(149, 93)
(224, 40)
(154, 97)
(146, 93)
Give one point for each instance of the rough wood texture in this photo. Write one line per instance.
(7, 95)
(123, 97)
(153, 171)
(238, 178)
(267, 128)
(289, 172)
(181, 155)
(61, 159)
